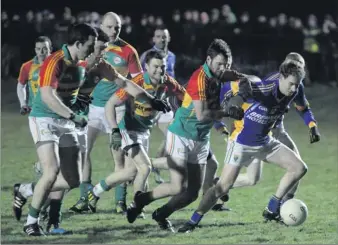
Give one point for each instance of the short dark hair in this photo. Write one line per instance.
(42, 39)
(296, 57)
(154, 54)
(81, 33)
(161, 27)
(101, 35)
(219, 46)
(292, 68)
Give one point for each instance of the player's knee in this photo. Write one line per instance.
(144, 169)
(302, 170)
(50, 174)
(253, 180)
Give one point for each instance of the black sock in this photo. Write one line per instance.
(55, 211)
(145, 198)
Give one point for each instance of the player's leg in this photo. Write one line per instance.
(119, 162)
(47, 144)
(121, 189)
(85, 185)
(177, 152)
(282, 156)
(211, 179)
(196, 167)
(54, 214)
(251, 176)
(280, 134)
(163, 124)
(236, 157)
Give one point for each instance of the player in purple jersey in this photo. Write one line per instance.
(254, 171)
(250, 139)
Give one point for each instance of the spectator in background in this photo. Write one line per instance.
(329, 50)
(161, 40)
(312, 33)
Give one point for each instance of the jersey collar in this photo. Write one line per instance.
(207, 70)
(36, 60)
(67, 53)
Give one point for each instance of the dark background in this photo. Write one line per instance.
(257, 47)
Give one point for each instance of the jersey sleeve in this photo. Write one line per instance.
(143, 60)
(122, 93)
(303, 107)
(174, 88)
(134, 65)
(196, 87)
(50, 72)
(24, 73)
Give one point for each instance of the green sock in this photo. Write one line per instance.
(84, 187)
(121, 193)
(33, 212)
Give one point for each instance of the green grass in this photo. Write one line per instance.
(244, 224)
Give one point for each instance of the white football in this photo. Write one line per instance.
(293, 212)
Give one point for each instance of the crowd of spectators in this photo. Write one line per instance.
(258, 42)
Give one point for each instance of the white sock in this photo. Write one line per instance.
(31, 220)
(98, 190)
(26, 190)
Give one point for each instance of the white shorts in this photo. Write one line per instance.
(97, 118)
(82, 138)
(190, 151)
(133, 137)
(164, 117)
(243, 155)
(62, 131)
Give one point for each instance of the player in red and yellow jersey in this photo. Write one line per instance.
(124, 58)
(29, 74)
(187, 143)
(133, 131)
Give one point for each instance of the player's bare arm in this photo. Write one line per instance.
(110, 110)
(21, 92)
(49, 96)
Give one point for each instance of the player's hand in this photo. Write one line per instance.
(79, 120)
(160, 105)
(25, 110)
(234, 112)
(115, 139)
(104, 70)
(314, 135)
(230, 75)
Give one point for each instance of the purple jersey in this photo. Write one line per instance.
(262, 111)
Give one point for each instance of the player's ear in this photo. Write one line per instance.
(77, 44)
(208, 60)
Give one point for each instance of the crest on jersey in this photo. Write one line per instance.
(117, 60)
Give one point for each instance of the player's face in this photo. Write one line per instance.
(85, 49)
(218, 64)
(42, 50)
(112, 28)
(288, 85)
(161, 38)
(156, 69)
